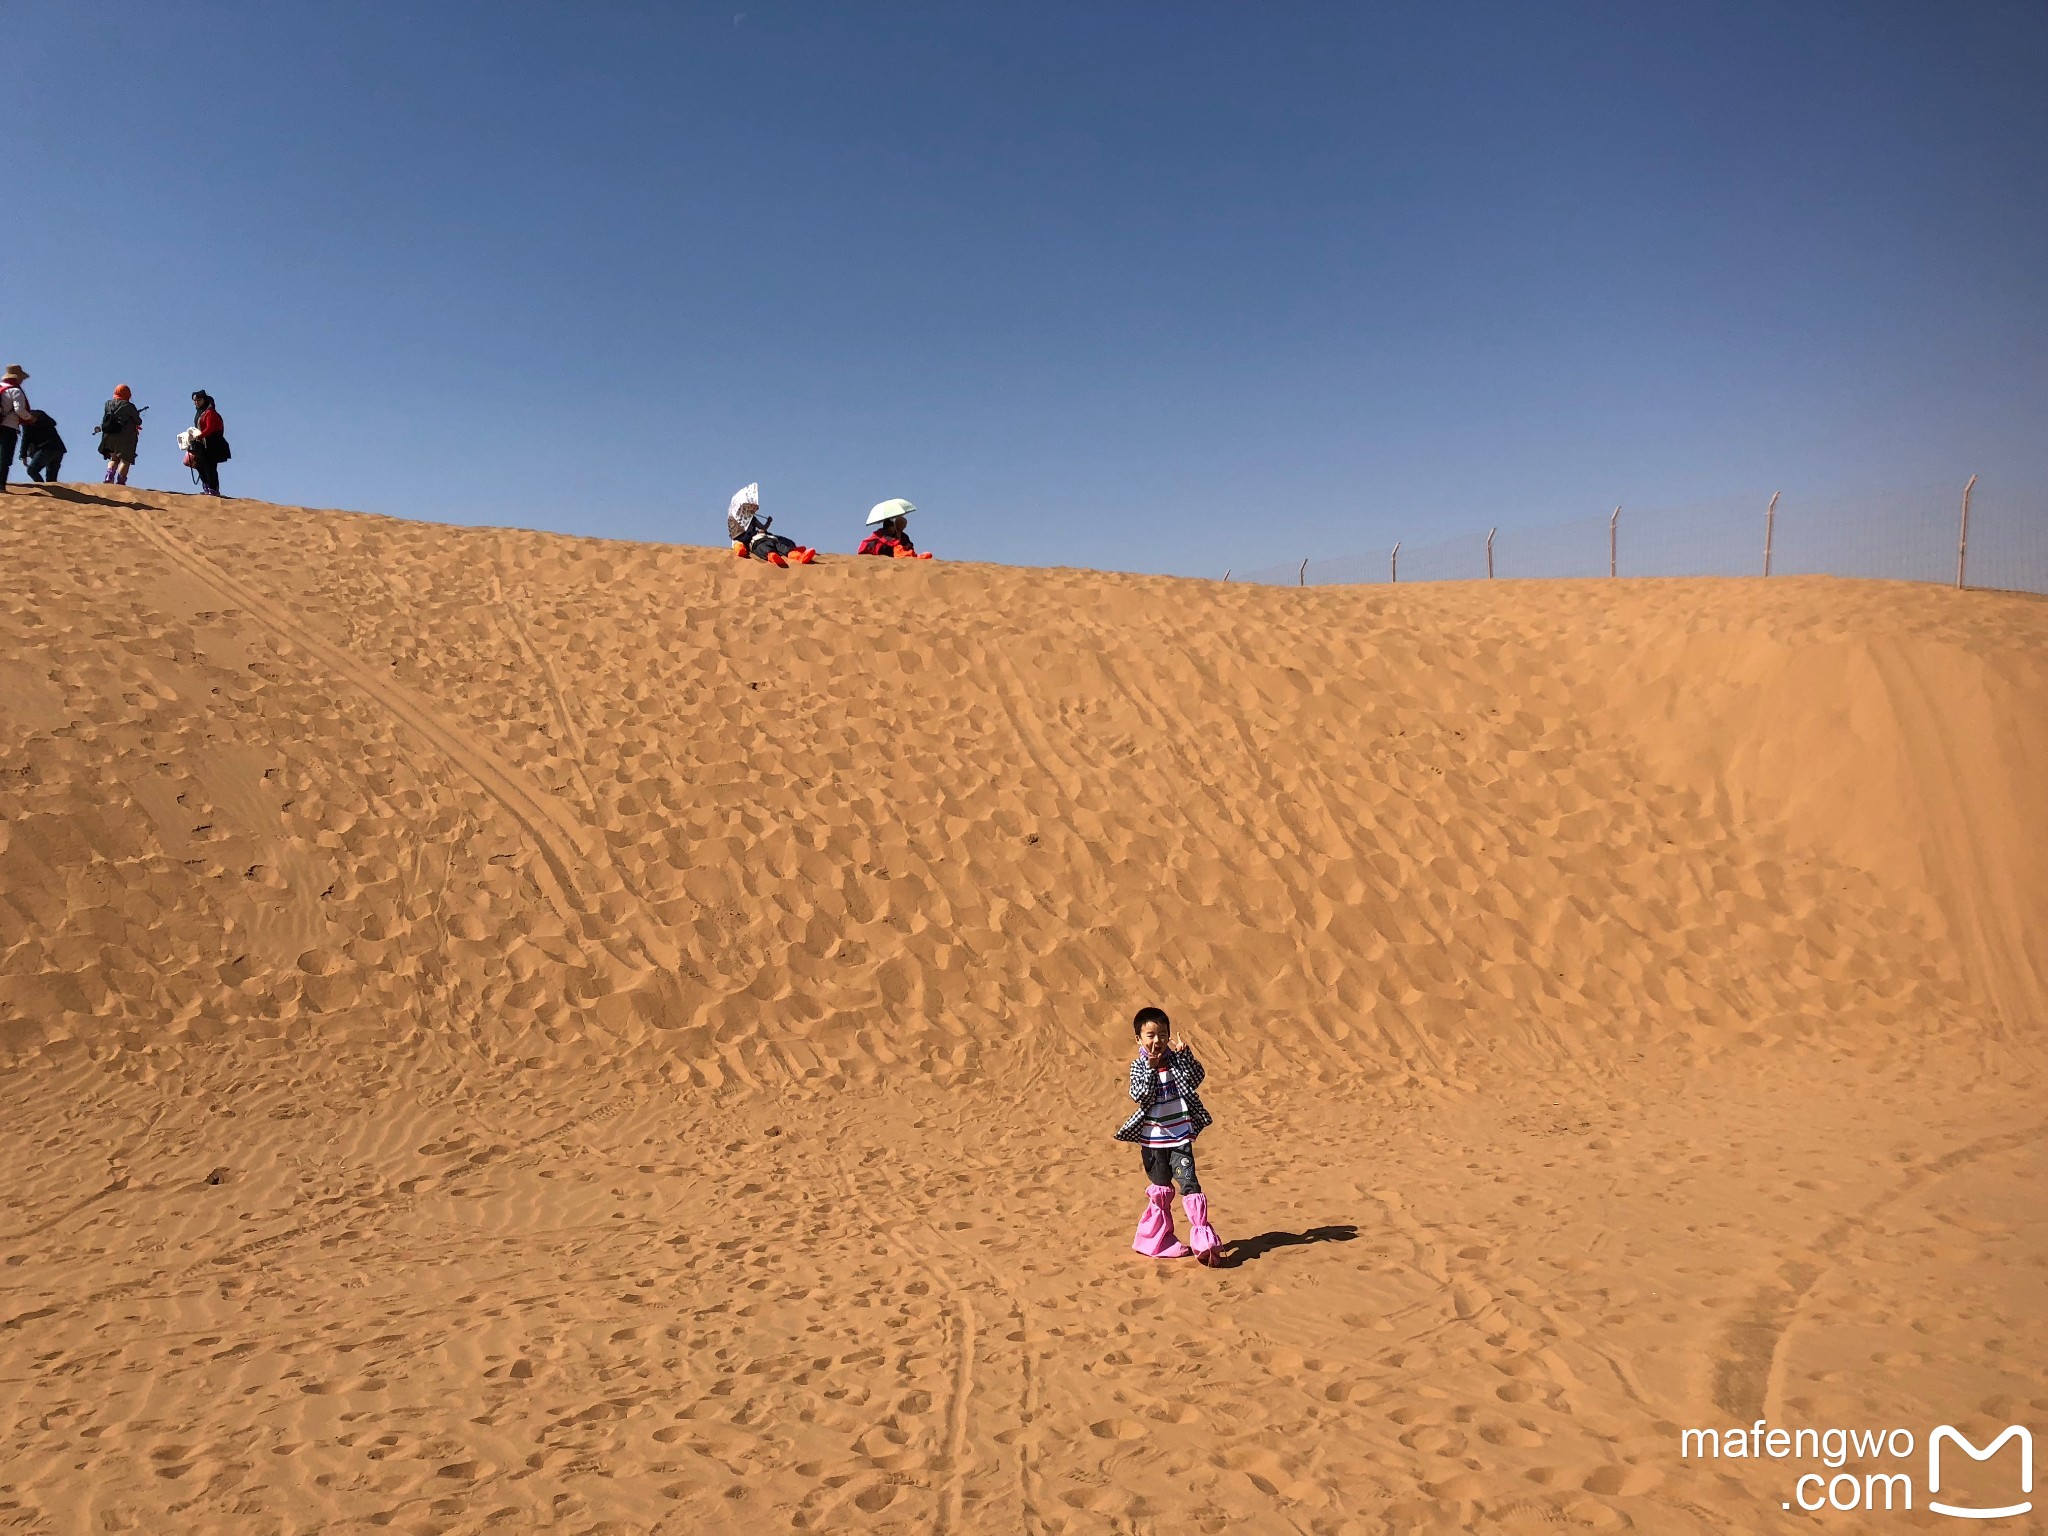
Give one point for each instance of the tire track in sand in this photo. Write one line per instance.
(567, 716)
(572, 728)
(556, 835)
(1749, 1375)
(952, 1497)
(941, 1259)
(956, 1413)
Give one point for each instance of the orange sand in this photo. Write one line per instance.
(512, 1032)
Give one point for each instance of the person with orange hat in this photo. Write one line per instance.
(15, 413)
(120, 429)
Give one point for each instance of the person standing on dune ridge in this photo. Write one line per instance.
(209, 444)
(15, 412)
(1164, 1083)
(120, 432)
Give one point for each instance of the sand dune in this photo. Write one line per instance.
(502, 1031)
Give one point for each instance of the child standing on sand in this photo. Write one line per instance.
(1170, 1116)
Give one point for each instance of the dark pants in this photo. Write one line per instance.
(208, 472)
(7, 437)
(1168, 1165)
(763, 545)
(43, 465)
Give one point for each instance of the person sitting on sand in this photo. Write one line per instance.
(748, 530)
(1164, 1080)
(891, 537)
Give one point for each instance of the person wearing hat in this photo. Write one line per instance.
(209, 448)
(15, 413)
(891, 538)
(119, 430)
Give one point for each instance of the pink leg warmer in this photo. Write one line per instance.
(1155, 1237)
(1207, 1245)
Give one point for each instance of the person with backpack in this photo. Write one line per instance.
(119, 430)
(206, 448)
(42, 450)
(14, 414)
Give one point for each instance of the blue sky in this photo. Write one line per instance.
(1143, 286)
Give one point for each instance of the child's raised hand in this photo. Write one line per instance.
(1178, 1043)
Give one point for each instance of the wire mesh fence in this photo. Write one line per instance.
(1989, 538)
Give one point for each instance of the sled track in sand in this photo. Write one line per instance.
(558, 696)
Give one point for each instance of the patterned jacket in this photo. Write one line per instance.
(1182, 1067)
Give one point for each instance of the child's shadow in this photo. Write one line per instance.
(1242, 1250)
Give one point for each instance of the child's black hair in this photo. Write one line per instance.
(1149, 1016)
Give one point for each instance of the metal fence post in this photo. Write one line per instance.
(1611, 522)
(1770, 528)
(1489, 552)
(1963, 538)
(1301, 576)
(1394, 563)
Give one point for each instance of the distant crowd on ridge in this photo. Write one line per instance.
(204, 447)
(204, 444)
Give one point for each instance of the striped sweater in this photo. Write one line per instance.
(1184, 1073)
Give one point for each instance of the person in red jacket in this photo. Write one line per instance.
(210, 449)
(891, 538)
